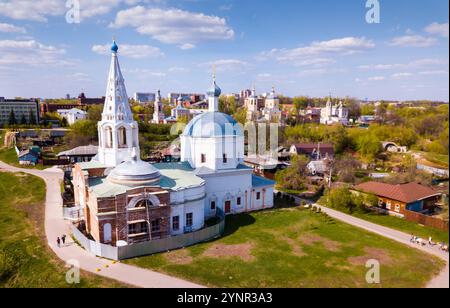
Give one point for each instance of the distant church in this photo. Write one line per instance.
(127, 201)
(332, 114)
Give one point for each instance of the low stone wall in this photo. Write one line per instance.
(150, 247)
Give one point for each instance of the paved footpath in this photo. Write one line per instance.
(440, 281)
(55, 226)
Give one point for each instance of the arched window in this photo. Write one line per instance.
(107, 233)
(109, 137)
(144, 203)
(122, 137)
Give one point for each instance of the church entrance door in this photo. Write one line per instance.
(227, 207)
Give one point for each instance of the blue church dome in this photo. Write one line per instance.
(213, 124)
(114, 47)
(215, 91)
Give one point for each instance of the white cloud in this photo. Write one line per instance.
(80, 77)
(264, 75)
(401, 75)
(187, 46)
(174, 26)
(30, 53)
(376, 78)
(34, 10)
(437, 29)
(143, 72)
(379, 67)
(8, 28)
(226, 7)
(313, 53)
(40, 10)
(437, 72)
(428, 62)
(131, 51)
(416, 64)
(176, 69)
(413, 41)
(225, 64)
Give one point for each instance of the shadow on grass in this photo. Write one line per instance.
(234, 222)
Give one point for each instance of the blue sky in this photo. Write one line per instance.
(302, 47)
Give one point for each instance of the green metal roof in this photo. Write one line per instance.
(91, 165)
(174, 176)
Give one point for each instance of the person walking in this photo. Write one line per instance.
(63, 238)
(58, 242)
(412, 238)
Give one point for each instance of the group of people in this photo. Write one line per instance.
(422, 242)
(61, 240)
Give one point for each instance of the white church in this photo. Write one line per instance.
(332, 114)
(127, 201)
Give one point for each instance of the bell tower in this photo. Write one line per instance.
(117, 131)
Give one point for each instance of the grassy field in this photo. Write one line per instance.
(405, 226)
(438, 159)
(291, 247)
(25, 259)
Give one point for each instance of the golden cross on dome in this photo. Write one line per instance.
(214, 71)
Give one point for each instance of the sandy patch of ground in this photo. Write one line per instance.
(242, 251)
(296, 249)
(311, 239)
(180, 256)
(378, 254)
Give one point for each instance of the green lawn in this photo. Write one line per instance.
(403, 225)
(25, 259)
(294, 248)
(439, 159)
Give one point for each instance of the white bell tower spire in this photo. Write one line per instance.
(118, 132)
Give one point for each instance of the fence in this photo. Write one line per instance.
(98, 249)
(151, 247)
(426, 220)
(74, 213)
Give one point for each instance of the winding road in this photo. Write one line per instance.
(55, 226)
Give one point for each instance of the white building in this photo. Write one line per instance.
(72, 115)
(213, 145)
(158, 115)
(271, 111)
(144, 98)
(253, 103)
(127, 201)
(332, 114)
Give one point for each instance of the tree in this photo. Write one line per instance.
(241, 115)
(64, 122)
(354, 108)
(342, 199)
(94, 113)
(23, 120)
(83, 132)
(293, 177)
(300, 103)
(367, 109)
(32, 117)
(369, 146)
(346, 167)
(12, 118)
